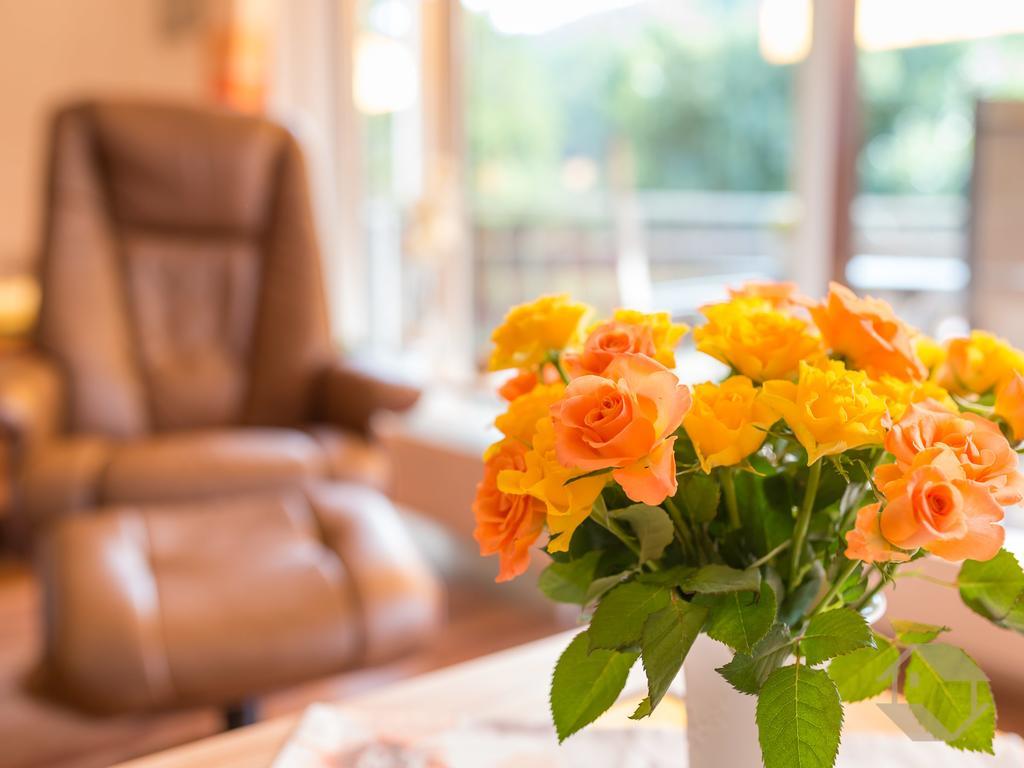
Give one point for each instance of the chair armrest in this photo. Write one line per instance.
(351, 395)
(31, 401)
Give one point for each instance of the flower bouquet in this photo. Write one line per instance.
(766, 510)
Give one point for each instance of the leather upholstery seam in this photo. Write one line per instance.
(352, 586)
(161, 632)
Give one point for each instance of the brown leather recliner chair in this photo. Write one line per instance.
(184, 436)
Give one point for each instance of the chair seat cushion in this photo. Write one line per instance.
(79, 472)
(211, 602)
(188, 465)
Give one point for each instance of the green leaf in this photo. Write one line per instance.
(667, 637)
(599, 512)
(1015, 618)
(675, 576)
(834, 633)
(699, 494)
(866, 672)
(916, 633)
(992, 588)
(747, 672)
(740, 619)
(652, 526)
(591, 537)
(568, 582)
(950, 696)
(620, 616)
(717, 579)
(799, 717)
(598, 587)
(585, 684)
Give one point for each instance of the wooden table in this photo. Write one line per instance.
(503, 685)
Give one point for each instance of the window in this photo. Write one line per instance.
(633, 153)
(642, 152)
(911, 214)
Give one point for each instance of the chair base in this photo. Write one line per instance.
(245, 712)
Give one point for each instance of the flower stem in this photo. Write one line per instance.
(613, 528)
(836, 586)
(553, 359)
(803, 522)
(866, 597)
(683, 532)
(777, 551)
(972, 407)
(729, 489)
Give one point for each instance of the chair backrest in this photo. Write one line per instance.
(181, 276)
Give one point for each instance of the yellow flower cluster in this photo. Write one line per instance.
(531, 332)
(829, 408)
(899, 395)
(520, 419)
(757, 339)
(523, 475)
(727, 422)
(598, 404)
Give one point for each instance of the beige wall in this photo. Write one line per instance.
(55, 50)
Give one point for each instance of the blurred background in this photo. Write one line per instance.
(469, 155)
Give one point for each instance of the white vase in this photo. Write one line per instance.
(720, 726)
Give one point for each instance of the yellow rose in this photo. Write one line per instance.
(530, 332)
(1010, 405)
(756, 339)
(979, 364)
(545, 479)
(727, 422)
(781, 295)
(899, 395)
(830, 409)
(520, 420)
(929, 352)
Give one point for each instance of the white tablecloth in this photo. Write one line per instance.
(331, 736)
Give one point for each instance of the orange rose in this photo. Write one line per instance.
(520, 384)
(868, 334)
(865, 542)
(981, 449)
(525, 380)
(1010, 405)
(781, 295)
(936, 507)
(624, 421)
(507, 524)
(653, 335)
